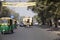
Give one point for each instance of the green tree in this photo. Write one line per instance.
(47, 9)
(5, 12)
(15, 14)
(37, 19)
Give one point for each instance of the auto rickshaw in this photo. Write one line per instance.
(6, 25)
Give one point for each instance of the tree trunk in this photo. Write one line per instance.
(55, 22)
(56, 25)
(43, 23)
(43, 20)
(50, 22)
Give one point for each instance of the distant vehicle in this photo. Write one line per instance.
(21, 24)
(36, 23)
(28, 21)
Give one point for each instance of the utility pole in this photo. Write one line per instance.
(1, 6)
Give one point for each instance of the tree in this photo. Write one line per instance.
(37, 19)
(47, 9)
(15, 14)
(5, 12)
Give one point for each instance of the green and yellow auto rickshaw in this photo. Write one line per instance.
(6, 25)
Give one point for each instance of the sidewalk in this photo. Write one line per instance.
(52, 29)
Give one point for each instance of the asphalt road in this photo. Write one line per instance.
(34, 33)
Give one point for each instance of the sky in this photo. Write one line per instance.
(22, 11)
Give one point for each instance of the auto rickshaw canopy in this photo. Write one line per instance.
(7, 18)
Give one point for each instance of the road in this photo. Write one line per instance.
(34, 33)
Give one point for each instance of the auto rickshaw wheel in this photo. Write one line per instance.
(2, 33)
(11, 31)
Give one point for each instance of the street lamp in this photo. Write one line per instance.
(1, 6)
(1, 3)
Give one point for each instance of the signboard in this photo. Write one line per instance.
(18, 4)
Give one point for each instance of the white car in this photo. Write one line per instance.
(21, 24)
(36, 23)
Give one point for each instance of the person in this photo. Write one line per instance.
(16, 24)
(28, 23)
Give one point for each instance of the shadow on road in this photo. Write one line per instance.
(44, 26)
(54, 29)
(49, 28)
(58, 34)
(7, 33)
(57, 39)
